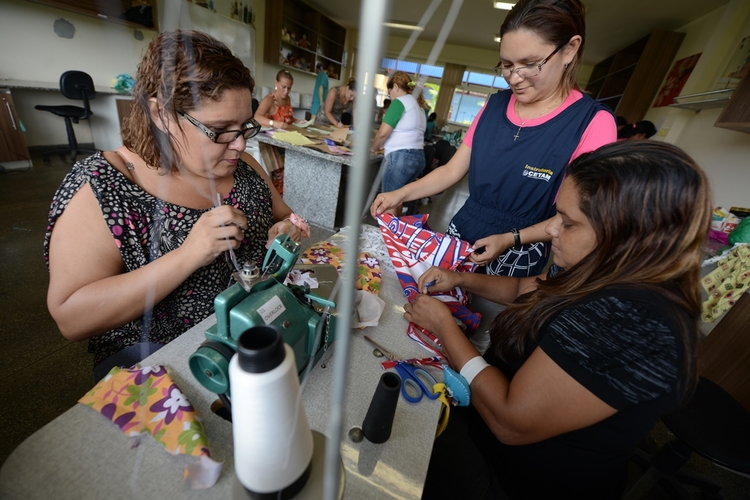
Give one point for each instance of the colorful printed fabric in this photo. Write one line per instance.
(368, 267)
(414, 248)
(146, 401)
(725, 284)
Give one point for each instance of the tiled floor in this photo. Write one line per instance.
(42, 374)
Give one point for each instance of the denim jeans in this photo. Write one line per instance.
(401, 167)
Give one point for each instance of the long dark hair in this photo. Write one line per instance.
(556, 21)
(650, 207)
(182, 70)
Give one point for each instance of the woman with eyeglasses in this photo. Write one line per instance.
(518, 147)
(140, 240)
(584, 361)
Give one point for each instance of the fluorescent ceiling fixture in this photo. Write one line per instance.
(400, 26)
(497, 38)
(503, 5)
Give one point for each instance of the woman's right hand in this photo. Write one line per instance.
(385, 201)
(280, 125)
(215, 232)
(442, 280)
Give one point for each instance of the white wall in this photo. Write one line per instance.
(32, 51)
(724, 154)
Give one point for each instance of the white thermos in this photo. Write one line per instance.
(273, 444)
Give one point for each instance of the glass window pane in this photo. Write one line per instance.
(388, 63)
(408, 67)
(481, 79)
(465, 106)
(466, 77)
(500, 83)
(430, 94)
(433, 71)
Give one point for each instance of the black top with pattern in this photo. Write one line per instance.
(145, 227)
(624, 345)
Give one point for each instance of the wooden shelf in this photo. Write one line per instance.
(628, 81)
(290, 21)
(736, 114)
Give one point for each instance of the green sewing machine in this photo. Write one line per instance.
(306, 320)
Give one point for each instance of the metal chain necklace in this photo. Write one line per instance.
(524, 122)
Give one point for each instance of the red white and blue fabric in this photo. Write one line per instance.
(414, 248)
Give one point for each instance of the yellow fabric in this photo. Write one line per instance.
(725, 284)
(146, 401)
(368, 267)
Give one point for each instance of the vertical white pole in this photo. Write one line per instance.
(369, 49)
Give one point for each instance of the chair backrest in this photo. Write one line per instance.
(429, 154)
(78, 85)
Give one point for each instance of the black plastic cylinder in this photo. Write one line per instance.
(379, 419)
(260, 349)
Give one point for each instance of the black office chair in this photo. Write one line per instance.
(73, 85)
(713, 425)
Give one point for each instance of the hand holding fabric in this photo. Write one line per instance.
(384, 202)
(494, 245)
(428, 312)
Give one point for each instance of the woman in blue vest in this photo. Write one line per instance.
(520, 144)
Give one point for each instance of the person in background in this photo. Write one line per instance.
(621, 123)
(275, 110)
(338, 100)
(320, 90)
(402, 135)
(383, 110)
(581, 364)
(138, 239)
(430, 128)
(641, 130)
(519, 145)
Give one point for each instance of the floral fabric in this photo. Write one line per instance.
(368, 267)
(725, 284)
(146, 401)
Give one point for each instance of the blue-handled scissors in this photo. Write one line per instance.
(411, 382)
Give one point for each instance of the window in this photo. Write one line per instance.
(411, 67)
(466, 106)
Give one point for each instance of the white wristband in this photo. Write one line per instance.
(472, 368)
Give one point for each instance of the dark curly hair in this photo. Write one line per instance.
(181, 70)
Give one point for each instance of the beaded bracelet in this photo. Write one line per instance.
(301, 224)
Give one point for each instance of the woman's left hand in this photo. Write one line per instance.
(284, 227)
(429, 313)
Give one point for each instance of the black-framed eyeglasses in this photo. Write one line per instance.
(250, 129)
(528, 71)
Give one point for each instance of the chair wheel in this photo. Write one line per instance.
(45, 159)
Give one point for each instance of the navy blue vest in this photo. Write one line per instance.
(513, 184)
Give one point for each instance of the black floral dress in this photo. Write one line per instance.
(145, 227)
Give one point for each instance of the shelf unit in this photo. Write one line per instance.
(628, 81)
(301, 38)
(703, 100)
(736, 114)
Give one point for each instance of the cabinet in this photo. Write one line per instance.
(12, 142)
(628, 81)
(736, 114)
(299, 37)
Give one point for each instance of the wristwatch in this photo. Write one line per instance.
(516, 238)
(270, 122)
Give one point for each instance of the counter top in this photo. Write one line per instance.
(36, 85)
(343, 159)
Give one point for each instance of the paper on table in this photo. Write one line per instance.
(340, 134)
(292, 138)
(305, 124)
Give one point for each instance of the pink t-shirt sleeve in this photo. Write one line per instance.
(602, 130)
(469, 135)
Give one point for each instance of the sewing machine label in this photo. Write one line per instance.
(271, 310)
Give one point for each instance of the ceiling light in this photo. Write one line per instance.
(401, 26)
(503, 5)
(497, 38)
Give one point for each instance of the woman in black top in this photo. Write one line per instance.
(582, 363)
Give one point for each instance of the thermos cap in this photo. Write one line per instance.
(260, 349)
